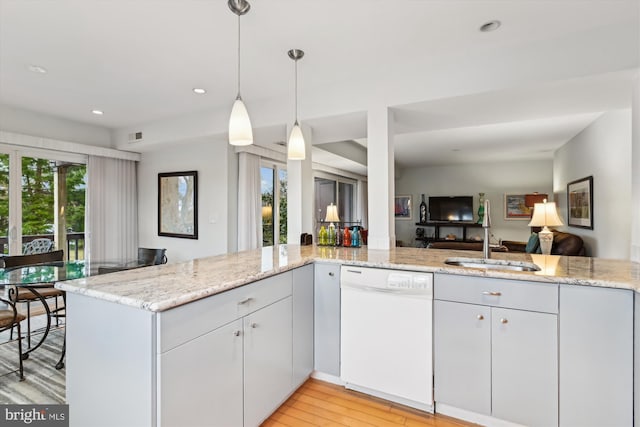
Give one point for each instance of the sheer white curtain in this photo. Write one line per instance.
(249, 202)
(111, 210)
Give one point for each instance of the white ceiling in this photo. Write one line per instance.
(138, 61)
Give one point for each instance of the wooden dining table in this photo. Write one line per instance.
(36, 277)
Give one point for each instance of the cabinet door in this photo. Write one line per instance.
(462, 355)
(525, 367)
(596, 356)
(267, 360)
(302, 324)
(327, 319)
(200, 382)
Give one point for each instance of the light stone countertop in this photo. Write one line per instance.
(162, 287)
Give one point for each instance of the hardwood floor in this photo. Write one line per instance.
(318, 403)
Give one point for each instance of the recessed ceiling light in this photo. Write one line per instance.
(36, 69)
(97, 112)
(199, 90)
(490, 26)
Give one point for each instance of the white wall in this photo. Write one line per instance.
(493, 179)
(210, 158)
(602, 150)
(16, 120)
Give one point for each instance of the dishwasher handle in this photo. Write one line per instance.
(424, 293)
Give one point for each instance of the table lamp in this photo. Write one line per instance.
(545, 215)
(331, 217)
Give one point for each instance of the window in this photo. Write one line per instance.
(274, 204)
(341, 192)
(42, 195)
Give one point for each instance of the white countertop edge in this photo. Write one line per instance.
(79, 286)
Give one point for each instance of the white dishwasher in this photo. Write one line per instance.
(386, 334)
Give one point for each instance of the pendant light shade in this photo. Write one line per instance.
(240, 131)
(296, 143)
(296, 150)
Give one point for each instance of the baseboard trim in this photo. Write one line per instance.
(473, 417)
(327, 378)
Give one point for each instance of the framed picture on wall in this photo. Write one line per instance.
(580, 203)
(402, 207)
(515, 207)
(178, 204)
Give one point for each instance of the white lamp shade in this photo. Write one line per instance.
(240, 132)
(296, 143)
(332, 213)
(545, 215)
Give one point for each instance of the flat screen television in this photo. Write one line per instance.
(451, 208)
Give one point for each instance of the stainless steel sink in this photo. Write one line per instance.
(493, 264)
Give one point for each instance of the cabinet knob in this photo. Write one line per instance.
(236, 333)
(245, 301)
(493, 294)
(504, 321)
(331, 273)
(480, 317)
(254, 325)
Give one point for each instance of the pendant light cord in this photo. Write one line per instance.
(238, 56)
(296, 89)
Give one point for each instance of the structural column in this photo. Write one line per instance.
(300, 191)
(381, 181)
(635, 170)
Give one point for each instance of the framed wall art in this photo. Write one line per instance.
(515, 207)
(178, 204)
(402, 207)
(580, 203)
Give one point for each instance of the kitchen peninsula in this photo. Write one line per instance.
(161, 343)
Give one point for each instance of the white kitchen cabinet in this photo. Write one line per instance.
(495, 355)
(524, 366)
(327, 319)
(302, 324)
(225, 360)
(203, 373)
(267, 360)
(462, 356)
(596, 356)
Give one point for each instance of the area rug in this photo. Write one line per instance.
(43, 383)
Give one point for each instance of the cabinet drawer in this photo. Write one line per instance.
(522, 295)
(186, 322)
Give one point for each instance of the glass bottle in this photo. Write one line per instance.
(355, 242)
(481, 208)
(322, 236)
(331, 241)
(423, 211)
(347, 237)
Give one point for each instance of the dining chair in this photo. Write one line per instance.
(10, 318)
(26, 295)
(151, 256)
(37, 246)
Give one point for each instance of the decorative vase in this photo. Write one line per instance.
(481, 208)
(423, 211)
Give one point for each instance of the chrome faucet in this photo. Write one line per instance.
(486, 224)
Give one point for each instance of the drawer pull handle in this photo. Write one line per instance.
(236, 333)
(480, 317)
(332, 274)
(254, 325)
(245, 301)
(355, 271)
(493, 294)
(504, 321)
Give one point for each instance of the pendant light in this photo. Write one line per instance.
(240, 132)
(296, 140)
